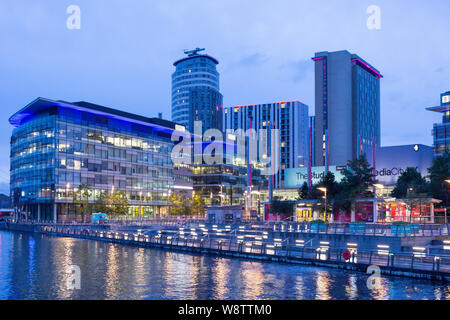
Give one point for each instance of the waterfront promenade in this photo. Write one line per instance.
(287, 243)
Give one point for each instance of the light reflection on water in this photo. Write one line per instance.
(35, 267)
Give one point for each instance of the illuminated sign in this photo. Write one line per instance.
(296, 177)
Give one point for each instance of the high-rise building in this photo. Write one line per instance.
(290, 117)
(441, 131)
(57, 146)
(347, 98)
(195, 91)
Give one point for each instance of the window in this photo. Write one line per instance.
(446, 99)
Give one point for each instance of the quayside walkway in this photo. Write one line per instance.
(414, 265)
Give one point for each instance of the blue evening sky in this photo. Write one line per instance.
(122, 56)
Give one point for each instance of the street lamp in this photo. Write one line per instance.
(375, 203)
(324, 190)
(67, 198)
(259, 200)
(221, 195)
(140, 205)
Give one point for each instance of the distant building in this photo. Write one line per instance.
(195, 92)
(5, 201)
(347, 111)
(389, 162)
(441, 131)
(56, 146)
(290, 117)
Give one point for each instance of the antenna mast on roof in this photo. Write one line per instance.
(194, 52)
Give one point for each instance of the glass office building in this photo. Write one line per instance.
(56, 146)
(290, 117)
(441, 131)
(195, 92)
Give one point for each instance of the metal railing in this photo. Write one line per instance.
(405, 261)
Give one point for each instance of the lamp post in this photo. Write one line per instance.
(446, 201)
(140, 205)
(375, 202)
(245, 202)
(221, 195)
(67, 198)
(324, 190)
(259, 200)
(168, 200)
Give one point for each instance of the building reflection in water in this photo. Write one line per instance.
(112, 272)
(220, 273)
(300, 287)
(351, 288)
(176, 273)
(253, 278)
(35, 267)
(323, 283)
(383, 291)
(61, 262)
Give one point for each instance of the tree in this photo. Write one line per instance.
(81, 199)
(198, 205)
(439, 173)
(303, 192)
(112, 204)
(119, 203)
(357, 180)
(179, 205)
(410, 183)
(356, 183)
(329, 182)
(101, 203)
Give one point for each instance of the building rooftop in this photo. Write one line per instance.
(40, 104)
(354, 58)
(195, 57)
(445, 103)
(260, 104)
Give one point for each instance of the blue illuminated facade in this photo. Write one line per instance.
(57, 146)
(195, 92)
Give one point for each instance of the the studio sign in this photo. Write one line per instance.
(385, 172)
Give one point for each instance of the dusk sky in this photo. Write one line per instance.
(122, 55)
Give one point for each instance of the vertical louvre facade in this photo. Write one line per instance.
(290, 117)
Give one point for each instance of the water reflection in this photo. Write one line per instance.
(35, 267)
(323, 283)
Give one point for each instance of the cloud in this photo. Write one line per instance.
(253, 60)
(300, 69)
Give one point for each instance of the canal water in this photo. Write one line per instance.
(36, 266)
